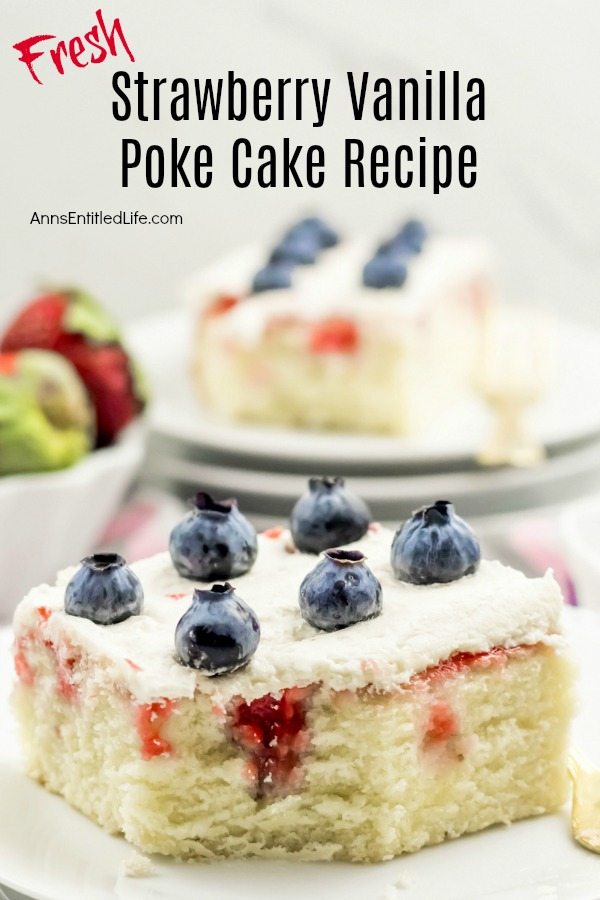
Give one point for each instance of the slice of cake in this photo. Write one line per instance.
(338, 335)
(354, 705)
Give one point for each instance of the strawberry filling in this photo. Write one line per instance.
(221, 305)
(334, 335)
(24, 671)
(273, 732)
(149, 720)
(463, 661)
(441, 725)
(133, 665)
(65, 685)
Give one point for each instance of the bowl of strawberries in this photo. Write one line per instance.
(71, 435)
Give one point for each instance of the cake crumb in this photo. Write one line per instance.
(137, 866)
(393, 889)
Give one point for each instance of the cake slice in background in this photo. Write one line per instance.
(355, 705)
(333, 334)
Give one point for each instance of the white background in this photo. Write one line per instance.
(538, 189)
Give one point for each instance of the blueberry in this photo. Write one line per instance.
(274, 277)
(392, 247)
(434, 545)
(213, 541)
(104, 590)
(340, 591)
(324, 234)
(384, 270)
(328, 515)
(297, 247)
(218, 633)
(407, 241)
(412, 236)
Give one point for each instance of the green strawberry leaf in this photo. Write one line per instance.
(85, 316)
(139, 382)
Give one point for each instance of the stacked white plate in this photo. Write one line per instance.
(266, 468)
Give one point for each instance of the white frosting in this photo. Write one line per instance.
(334, 285)
(419, 626)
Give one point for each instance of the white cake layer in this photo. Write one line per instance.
(334, 285)
(419, 626)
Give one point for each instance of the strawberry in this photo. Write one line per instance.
(38, 325)
(46, 416)
(73, 324)
(220, 305)
(334, 335)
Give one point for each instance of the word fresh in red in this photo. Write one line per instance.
(93, 47)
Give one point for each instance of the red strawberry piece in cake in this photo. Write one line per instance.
(133, 665)
(23, 668)
(273, 731)
(150, 719)
(334, 335)
(221, 305)
(441, 723)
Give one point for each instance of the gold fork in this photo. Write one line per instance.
(585, 810)
(512, 375)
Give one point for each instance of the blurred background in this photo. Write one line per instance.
(536, 200)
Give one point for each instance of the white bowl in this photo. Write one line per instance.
(50, 520)
(580, 529)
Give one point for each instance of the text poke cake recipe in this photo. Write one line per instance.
(327, 691)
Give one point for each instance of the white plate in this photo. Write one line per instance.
(51, 852)
(475, 493)
(570, 412)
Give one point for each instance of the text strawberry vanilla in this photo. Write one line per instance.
(281, 161)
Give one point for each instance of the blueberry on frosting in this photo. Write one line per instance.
(328, 515)
(213, 541)
(341, 590)
(389, 265)
(297, 247)
(300, 245)
(412, 236)
(219, 633)
(434, 545)
(275, 276)
(104, 590)
(324, 235)
(386, 269)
